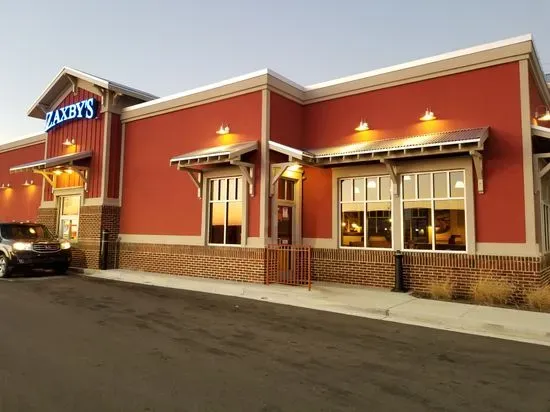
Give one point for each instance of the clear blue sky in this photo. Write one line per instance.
(168, 46)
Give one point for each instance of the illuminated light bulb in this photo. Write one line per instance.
(27, 183)
(545, 117)
(69, 171)
(68, 142)
(429, 115)
(224, 129)
(363, 126)
(58, 172)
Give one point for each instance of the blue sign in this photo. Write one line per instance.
(85, 109)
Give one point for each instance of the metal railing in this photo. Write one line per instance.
(288, 265)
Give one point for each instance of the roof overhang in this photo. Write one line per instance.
(44, 164)
(441, 143)
(540, 131)
(213, 155)
(194, 162)
(67, 78)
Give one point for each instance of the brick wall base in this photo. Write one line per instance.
(229, 263)
(420, 270)
(93, 219)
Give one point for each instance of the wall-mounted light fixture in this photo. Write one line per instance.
(68, 142)
(58, 172)
(224, 129)
(545, 117)
(363, 126)
(5, 186)
(428, 115)
(69, 171)
(28, 183)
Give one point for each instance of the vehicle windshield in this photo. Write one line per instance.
(24, 232)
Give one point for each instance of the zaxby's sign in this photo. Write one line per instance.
(85, 109)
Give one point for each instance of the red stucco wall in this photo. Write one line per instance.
(286, 121)
(88, 135)
(158, 199)
(20, 203)
(485, 97)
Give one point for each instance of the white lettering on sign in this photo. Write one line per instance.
(85, 109)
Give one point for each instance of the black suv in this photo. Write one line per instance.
(31, 245)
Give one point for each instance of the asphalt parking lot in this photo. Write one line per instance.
(73, 343)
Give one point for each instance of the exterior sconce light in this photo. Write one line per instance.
(224, 129)
(543, 117)
(5, 186)
(428, 115)
(68, 142)
(69, 171)
(363, 126)
(28, 183)
(58, 172)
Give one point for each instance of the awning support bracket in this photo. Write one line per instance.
(247, 170)
(196, 178)
(477, 158)
(276, 176)
(73, 83)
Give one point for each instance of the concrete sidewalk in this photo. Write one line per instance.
(524, 326)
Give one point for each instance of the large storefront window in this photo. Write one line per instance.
(365, 212)
(433, 211)
(69, 217)
(225, 211)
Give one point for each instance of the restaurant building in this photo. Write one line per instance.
(444, 158)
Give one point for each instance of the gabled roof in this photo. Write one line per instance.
(63, 80)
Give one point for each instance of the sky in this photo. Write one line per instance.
(169, 46)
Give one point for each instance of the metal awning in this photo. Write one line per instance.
(211, 155)
(193, 162)
(50, 168)
(387, 151)
(64, 160)
(455, 141)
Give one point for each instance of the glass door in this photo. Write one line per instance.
(69, 217)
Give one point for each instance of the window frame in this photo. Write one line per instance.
(432, 201)
(61, 216)
(365, 202)
(208, 201)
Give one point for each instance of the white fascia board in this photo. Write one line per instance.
(196, 90)
(424, 61)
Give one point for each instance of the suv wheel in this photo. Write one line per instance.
(4, 268)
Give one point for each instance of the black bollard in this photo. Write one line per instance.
(398, 287)
(104, 249)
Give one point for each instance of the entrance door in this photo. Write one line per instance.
(69, 213)
(284, 225)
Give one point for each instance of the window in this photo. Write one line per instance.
(434, 211)
(365, 212)
(69, 217)
(286, 189)
(225, 211)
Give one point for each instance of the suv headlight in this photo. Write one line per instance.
(22, 246)
(65, 245)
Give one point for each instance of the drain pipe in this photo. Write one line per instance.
(398, 286)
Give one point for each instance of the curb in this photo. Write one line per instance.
(454, 324)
